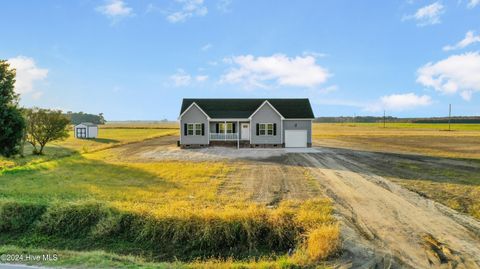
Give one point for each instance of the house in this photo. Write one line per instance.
(85, 130)
(246, 122)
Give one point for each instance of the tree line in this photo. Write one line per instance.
(19, 126)
(79, 117)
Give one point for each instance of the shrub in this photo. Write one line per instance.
(18, 217)
(73, 221)
(193, 233)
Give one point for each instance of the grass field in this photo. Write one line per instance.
(425, 139)
(109, 137)
(96, 208)
(81, 200)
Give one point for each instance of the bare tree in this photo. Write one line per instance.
(44, 126)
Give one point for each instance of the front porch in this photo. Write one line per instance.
(229, 131)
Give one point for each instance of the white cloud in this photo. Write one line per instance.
(456, 74)
(314, 54)
(189, 8)
(427, 15)
(115, 10)
(201, 78)
(27, 74)
(224, 5)
(473, 3)
(181, 78)
(400, 102)
(206, 47)
(278, 69)
(469, 39)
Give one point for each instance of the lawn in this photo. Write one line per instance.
(89, 205)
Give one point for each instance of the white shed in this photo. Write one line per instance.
(85, 130)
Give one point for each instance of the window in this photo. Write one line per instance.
(229, 127)
(262, 128)
(190, 129)
(265, 129)
(198, 129)
(194, 129)
(269, 129)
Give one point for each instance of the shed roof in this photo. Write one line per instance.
(87, 124)
(243, 108)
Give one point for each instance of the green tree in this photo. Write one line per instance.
(44, 126)
(11, 121)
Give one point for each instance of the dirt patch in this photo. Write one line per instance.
(385, 223)
(270, 181)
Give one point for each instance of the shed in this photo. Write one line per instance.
(86, 130)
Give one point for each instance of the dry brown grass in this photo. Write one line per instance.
(322, 242)
(427, 139)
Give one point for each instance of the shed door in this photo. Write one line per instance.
(295, 138)
(81, 132)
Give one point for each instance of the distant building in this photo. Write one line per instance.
(86, 130)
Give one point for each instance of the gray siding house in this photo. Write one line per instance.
(246, 122)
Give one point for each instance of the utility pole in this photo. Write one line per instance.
(384, 119)
(449, 115)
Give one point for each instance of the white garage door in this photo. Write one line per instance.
(295, 138)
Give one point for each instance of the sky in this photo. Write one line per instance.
(136, 60)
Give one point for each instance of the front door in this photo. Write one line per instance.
(245, 131)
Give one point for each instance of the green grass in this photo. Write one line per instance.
(102, 259)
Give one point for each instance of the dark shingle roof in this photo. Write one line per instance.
(243, 108)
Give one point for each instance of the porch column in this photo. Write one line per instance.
(238, 134)
(225, 131)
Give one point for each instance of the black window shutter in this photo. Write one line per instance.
(274, 129)
(258, 129)
(233, 127)
(185, 131)
(203, 128)
(217, 128)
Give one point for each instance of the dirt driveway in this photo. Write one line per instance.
(386, 225)
(383, 224)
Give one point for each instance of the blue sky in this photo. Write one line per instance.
(136, 60)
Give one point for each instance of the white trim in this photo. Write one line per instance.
(281, 131)
(208, 132)
(251, 128)
(194, 128)
(181, 115)
(266, 102)
(215, 119)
